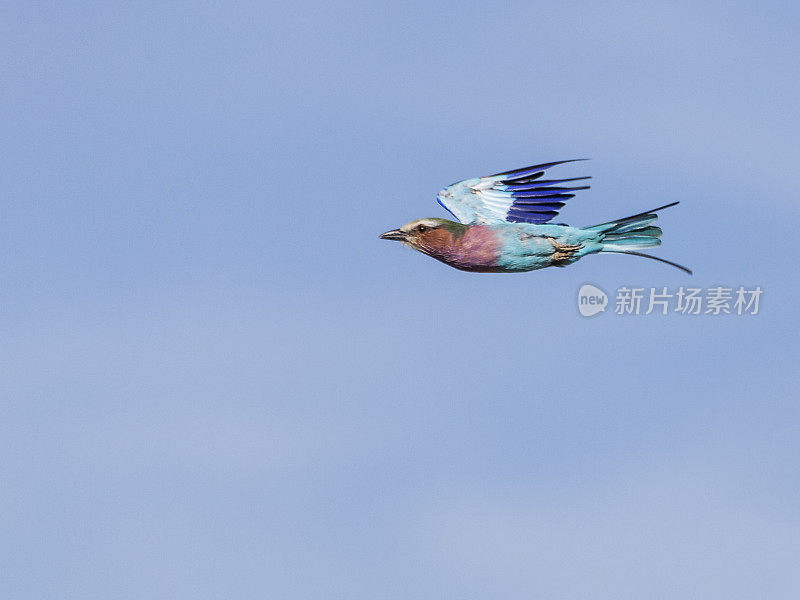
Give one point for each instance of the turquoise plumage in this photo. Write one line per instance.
(503, 225)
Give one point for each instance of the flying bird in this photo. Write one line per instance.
(503, 225)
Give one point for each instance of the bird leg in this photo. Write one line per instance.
(563, 252)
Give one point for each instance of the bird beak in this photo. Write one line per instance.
(394, 234)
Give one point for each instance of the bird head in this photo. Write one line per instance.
(425, 235)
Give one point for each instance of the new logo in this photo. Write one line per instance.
(591, 300)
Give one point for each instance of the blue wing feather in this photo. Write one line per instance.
(515, 185)
(513, 196)
(525, 171)
(545, 193)
(537, 218)
(556, 206)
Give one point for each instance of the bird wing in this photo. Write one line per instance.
(517, 196)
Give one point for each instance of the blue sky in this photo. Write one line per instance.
(217, 382)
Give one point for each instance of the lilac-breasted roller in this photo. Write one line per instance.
(503, 225)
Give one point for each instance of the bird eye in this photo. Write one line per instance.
(422, 228)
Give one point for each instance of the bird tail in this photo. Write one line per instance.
(625, 236)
